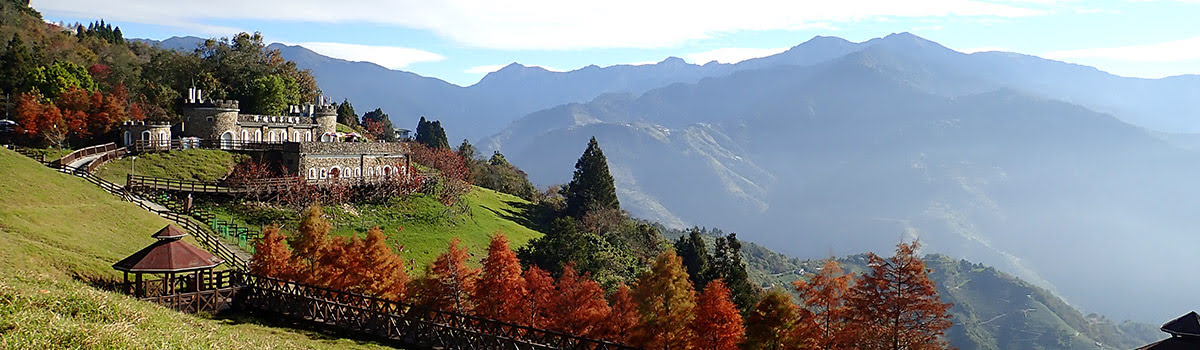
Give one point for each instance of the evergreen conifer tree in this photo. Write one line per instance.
(346, 115)
(431, 134)
(726, 264)
(592, 186)
(692, 250)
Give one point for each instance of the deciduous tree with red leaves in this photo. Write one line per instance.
(825, 296)
(272, 256)
(895, 305)
(380, 271)
(579, 306)
(622, 317)
(449, 282)
(500, 291)
(539, 300)
(718, 325)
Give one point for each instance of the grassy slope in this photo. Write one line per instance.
(192, 164)
(54, 227)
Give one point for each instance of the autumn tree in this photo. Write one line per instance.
(622, 317)
(536, 311)
(666, 305)
(591, 187)
(718, 325)
(769, 326)
(895, 305)
(579, 305)
(825, 296)
(381, 272)
(310, 244)
(500, 291)
(272, 256)
(449, 282)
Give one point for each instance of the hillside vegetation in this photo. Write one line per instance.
(56, 232)
(992, 310)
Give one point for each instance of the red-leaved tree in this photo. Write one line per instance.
(825, 296)
(539, 300)
(500, 291)
(718, 325)
(895, 305)
(579, 307)
(449, 282)
(272, 256)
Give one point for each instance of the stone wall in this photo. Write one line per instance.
(322, 167)
(341, 148)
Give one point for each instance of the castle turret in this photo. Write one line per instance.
(326, 116)
(209, 119)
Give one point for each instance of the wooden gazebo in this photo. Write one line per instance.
(169, 257)
(1184, 331)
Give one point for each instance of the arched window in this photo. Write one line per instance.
(335, 173)
(387, 170)
(357, 172)
(146, 135)
(128, 137)
(257, 135)
(298, 135)
(274, 136)
(245, 135)
(308, 136)
(324, 173)
(312, 173)
(283, 135)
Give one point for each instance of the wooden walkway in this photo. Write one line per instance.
(142, 182)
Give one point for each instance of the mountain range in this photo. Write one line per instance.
(1074, 179)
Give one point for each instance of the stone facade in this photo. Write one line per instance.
(326, 160)
(133, 131)
(221, 120)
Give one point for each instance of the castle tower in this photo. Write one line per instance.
(209, 119)
(326, 116)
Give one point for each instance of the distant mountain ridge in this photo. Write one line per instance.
(897, 141)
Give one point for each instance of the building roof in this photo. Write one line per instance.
(1187, 325)
(1174, 343)
(169, 232)
(168, 255)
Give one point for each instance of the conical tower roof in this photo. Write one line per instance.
(169, 232)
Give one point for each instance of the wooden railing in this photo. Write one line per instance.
(38, 155)
(141, 146)
(406, 323)
(84, 152)
(181, 185)
(206, 291)
(107, 156)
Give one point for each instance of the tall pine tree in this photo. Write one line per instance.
(591, 187)
(692, 250)
(346, 115)
(726, 264)
(666, 303)
(431, 134)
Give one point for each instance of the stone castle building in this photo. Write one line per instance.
(306, 139)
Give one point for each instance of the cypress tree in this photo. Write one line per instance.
(431, 134)
(691, 249)
(15, 65)
(592, 186)
(726, 264)
(346, 114)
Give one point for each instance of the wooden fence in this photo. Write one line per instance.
(84, 152)
(194, 292)
(181, 185)
(403, 322)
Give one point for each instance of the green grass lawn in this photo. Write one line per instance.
(427, 230)
(58, 231)
(191, 164)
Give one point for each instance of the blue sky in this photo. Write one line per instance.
(462, 40)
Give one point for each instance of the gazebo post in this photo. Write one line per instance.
(125, 282)
(137, 287)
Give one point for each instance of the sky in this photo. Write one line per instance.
(460, 41)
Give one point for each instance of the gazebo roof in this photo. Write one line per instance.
(168, 255)
(1187, 325)
(169, 231)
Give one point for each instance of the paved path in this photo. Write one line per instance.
(81, 162)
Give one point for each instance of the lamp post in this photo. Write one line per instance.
(132, 166)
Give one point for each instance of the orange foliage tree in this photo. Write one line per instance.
(310, 245)
(718, 325)
(381, 270)
(769, 325)
(500, 291)
(272, 256)
(539, 300)
(622, 317)
(580, 307)
(666, 305)
(449, 282)
(825, 296)
(895, 305)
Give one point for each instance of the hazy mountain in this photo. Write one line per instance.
(177, 43)
(896, 141)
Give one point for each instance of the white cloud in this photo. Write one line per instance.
(546, 24)
(388, 56)
(731, 54)
(1170, 51)
(484, 69)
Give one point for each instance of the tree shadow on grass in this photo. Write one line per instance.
(529, 215)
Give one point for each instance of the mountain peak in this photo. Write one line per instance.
(673, 61)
